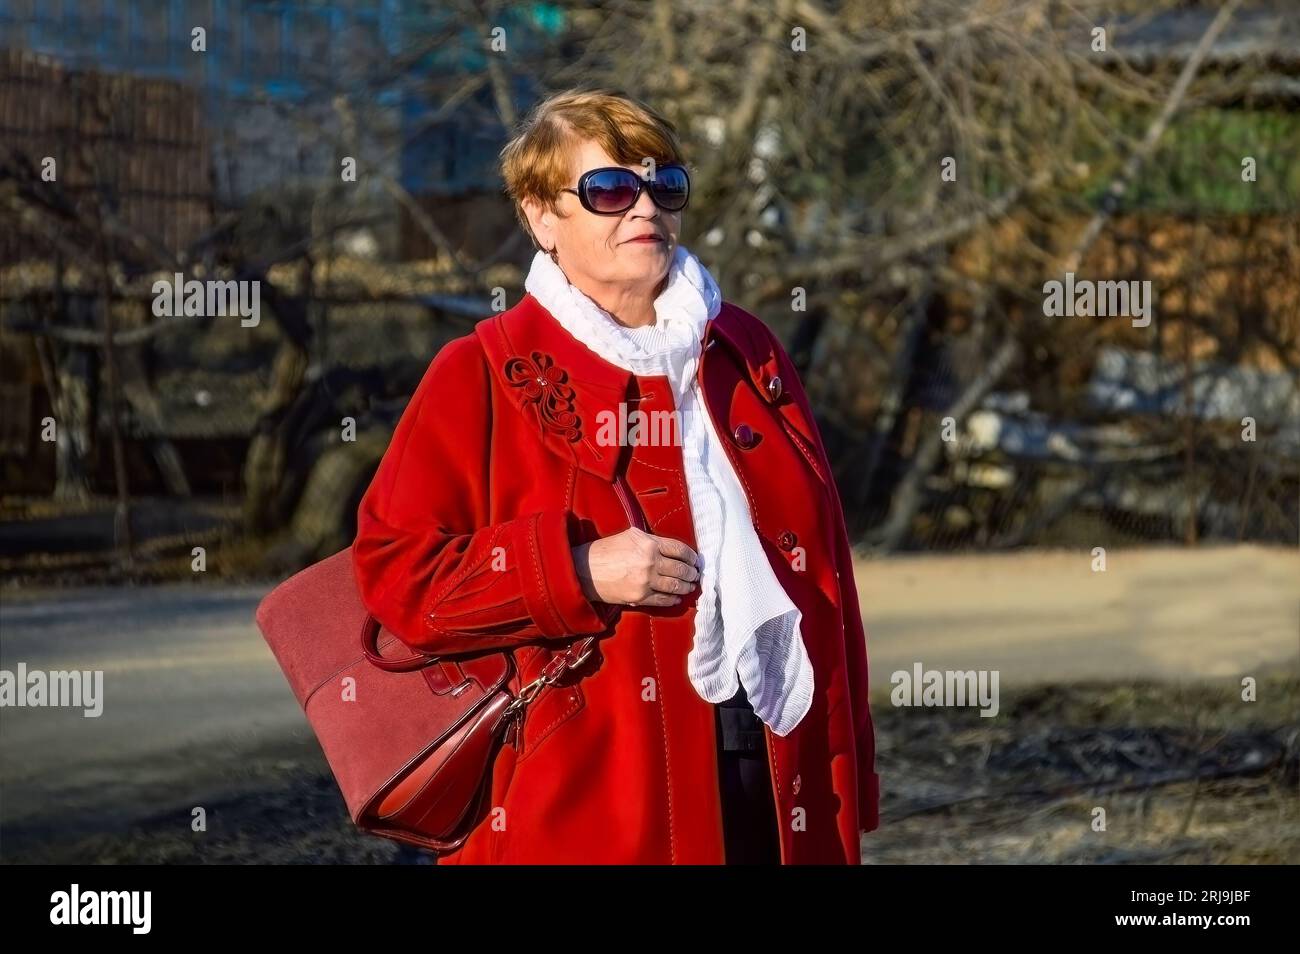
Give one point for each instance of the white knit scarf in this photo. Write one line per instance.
(746, 627)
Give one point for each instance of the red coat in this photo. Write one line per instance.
(495, 472)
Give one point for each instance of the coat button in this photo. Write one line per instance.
(774, 388)
(786, 540)
(798, 783)
(744, 436)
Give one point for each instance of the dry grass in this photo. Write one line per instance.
(1185, 773)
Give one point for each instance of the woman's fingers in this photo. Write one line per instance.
(677, 550)
(672, 573)
(671, 584)
(667, 566)
(674, 570)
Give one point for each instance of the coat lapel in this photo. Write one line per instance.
(759, 358)
(558, 381)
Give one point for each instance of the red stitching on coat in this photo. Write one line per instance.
(776, 775)
(663, 722)
(575, 705)
(482, 584)
(451, 634)
(797, 439)
(679, 475)
(466, 569)
(535, 546)
(482, 608)
(469, 566)
(665, 516)
(684, 492)
(646, 463)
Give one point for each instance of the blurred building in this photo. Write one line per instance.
(268, 80)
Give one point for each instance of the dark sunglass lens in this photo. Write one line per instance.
(671, 188)
(612, 191)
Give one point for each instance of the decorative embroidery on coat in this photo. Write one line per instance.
(544, 387)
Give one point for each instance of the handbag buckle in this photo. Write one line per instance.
(555, 667)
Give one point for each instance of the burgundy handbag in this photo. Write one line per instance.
(411, 740)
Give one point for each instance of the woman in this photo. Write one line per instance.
(625, 455)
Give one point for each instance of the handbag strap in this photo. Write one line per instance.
(370, 647)
(573, 657)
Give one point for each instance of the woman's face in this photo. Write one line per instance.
(599, 249)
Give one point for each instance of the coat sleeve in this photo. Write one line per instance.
(855, 638)
(429, 565)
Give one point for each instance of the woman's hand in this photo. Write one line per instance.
(636, 568)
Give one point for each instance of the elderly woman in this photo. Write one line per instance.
(627, 456)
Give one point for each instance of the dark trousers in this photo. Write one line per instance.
(748, 810)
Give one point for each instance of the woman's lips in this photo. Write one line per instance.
(645, 239)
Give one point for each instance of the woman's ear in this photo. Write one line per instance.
(539, 221)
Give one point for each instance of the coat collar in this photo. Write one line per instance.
(566, 386)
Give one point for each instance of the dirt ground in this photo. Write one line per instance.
(1121, 736)
(1121, 691)
(1143, 772)
(1216, 613)
(1184, 775)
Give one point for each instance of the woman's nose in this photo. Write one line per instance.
(644, 205)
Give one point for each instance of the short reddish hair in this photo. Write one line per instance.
(538, 161)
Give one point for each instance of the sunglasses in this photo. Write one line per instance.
(612, 190)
